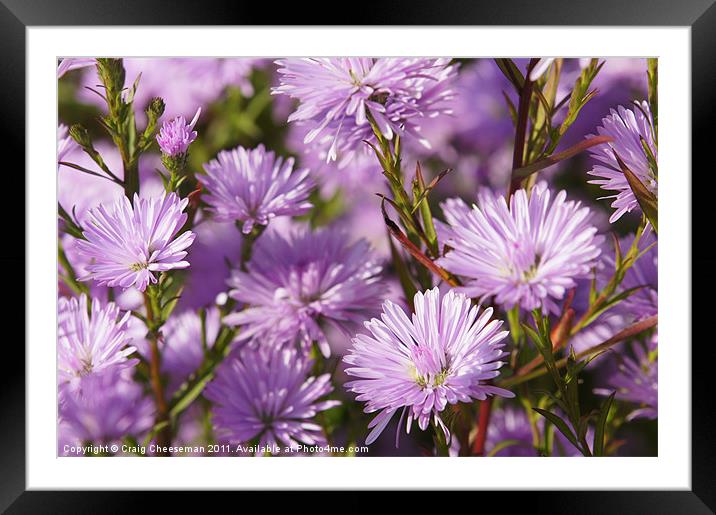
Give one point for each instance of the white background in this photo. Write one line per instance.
(670, 470)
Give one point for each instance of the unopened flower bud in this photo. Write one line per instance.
(156, 107)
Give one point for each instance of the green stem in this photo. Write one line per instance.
(441, 446)
(247, 245)
(70, 278)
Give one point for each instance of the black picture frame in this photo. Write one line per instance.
(700, 15)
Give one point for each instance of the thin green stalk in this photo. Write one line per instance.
(70, 278)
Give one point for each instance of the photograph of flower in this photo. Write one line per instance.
(357, 256)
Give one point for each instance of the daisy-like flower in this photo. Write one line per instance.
(65, 143)
(126, 245)
(295, 282)
(176, 135)
(528, 253)
(338, 95)
(637, 381)
(632, 131)
(91, 340)
(254, 186)
(268, 395)
(444, 355)
(105, 407)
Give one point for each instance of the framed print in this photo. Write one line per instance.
(337, 257)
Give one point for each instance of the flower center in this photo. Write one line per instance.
(86, 366)
(136, 267)
(531, 272)
(427, 370)
(431, 380)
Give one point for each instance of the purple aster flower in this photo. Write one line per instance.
(129, 244)
(295, 282)
(527, 254)
(65, 143)
(631, 129)
(267, 394)
(445, 354)
(74, 63)
(337, 96)
(90, 340)
(636, 381)
(254, 186)
(176, 135)
(106, 407)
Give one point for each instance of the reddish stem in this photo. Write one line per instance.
(478, 447)
(164, 434)
(523, 110)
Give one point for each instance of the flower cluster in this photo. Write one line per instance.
(345, 246)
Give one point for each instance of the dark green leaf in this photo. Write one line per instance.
(600, 429)
(560, 424)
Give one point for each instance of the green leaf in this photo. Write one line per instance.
(580, 94)
(168, 307)
(512, 72)
(610, 303)
(426, 189)
(192, 393)
(572, 151)
(511, 107)
(560, 424)
(504, 444)
(600, 429)
(653, 82)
